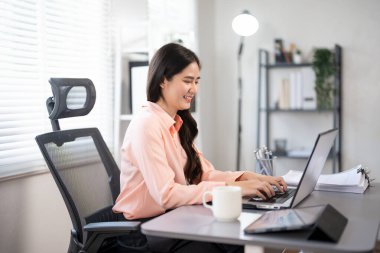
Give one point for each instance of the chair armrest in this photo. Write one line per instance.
(113, 226)
(100, 231)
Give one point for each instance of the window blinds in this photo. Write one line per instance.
(40, 39)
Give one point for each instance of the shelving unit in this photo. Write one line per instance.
(124, 93)
(266, 112)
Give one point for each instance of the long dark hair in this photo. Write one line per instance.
(168, 61)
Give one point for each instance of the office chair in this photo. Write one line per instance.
(86, 174)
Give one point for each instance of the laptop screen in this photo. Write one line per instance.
(315, 165)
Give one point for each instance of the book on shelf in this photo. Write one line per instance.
(309, 96)
(296, 92)
(284, 102)
(355, 180)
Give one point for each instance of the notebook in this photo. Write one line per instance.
(355, 180)
(295, 195)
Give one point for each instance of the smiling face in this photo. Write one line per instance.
(178, 92)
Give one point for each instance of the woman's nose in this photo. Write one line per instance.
(194, 87)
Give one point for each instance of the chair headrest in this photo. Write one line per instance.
(72, 97)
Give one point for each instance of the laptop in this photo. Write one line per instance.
(294, 195)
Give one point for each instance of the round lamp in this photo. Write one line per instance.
(245, 24)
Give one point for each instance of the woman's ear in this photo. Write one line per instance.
(163, 82)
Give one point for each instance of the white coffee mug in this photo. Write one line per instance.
(226, 202)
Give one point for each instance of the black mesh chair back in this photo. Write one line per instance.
(87, 177)
(79, 163)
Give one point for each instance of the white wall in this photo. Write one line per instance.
(206, 92)
(349, 23)
(33, 216)
(131, 20)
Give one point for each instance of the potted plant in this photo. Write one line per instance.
(297, 57)
(324, 68)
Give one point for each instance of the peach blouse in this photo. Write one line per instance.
(152, 177)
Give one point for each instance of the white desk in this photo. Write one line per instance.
(197, 223)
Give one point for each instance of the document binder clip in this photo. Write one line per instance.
(365, 171)
(329, 226)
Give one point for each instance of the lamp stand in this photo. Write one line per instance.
(240, 86)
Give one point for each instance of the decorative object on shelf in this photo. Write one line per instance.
(324, 68)
(245, 24)
(283, 56)
(279, 56)
(297, 56)
(280, 146)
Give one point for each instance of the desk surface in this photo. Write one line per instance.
(197, 223)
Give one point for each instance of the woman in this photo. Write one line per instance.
(161, 168)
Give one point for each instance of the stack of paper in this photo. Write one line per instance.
(346, 181)
(293, 177)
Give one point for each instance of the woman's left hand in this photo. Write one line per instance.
(277, 181)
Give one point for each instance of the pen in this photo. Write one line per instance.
(262, 158)
(268, 159)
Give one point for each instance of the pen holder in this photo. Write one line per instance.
(266, 166)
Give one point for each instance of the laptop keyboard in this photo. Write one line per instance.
(280, 197)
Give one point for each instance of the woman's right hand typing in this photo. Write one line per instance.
(254, 187)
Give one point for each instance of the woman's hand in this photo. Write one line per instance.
(254, 187)
(279, 182)
(258, 180)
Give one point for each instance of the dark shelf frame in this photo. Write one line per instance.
(264, 113)
(331, 155)
(272, 110)
(286, 65)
